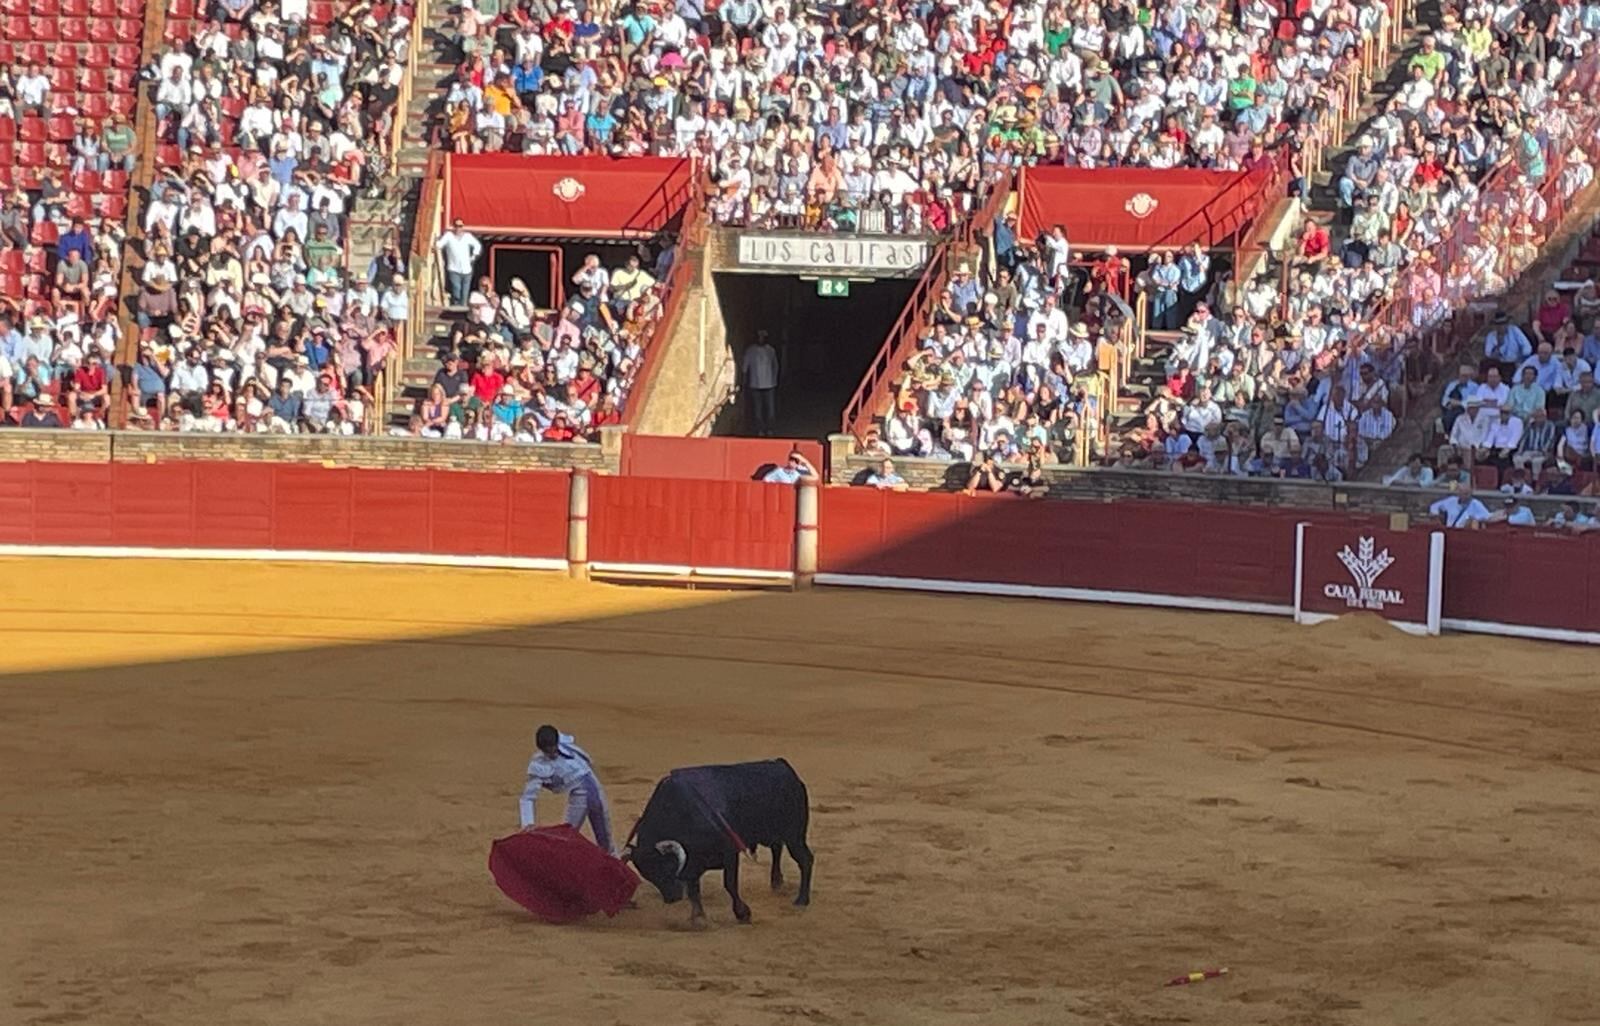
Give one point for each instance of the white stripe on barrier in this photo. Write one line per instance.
(1518, 630)
(289, 555)
(1125, 598)
(676, 570)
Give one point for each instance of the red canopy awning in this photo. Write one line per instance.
(510, 194)
(1138, 208)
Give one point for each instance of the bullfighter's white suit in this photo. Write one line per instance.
(570, 772)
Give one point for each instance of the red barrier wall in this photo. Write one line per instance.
(710, 459)
(1219, 552)
(1512, 575)
(281, 506)
(701, 524)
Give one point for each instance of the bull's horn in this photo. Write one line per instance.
(674, 849)
(627, 853)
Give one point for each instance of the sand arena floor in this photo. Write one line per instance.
(263, 794)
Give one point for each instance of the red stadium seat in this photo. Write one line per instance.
(36, 261)
(181, 10)
(26, 176)
(7, 179)
(115, 180)
(86, 182)
(97, 56)
(125, 55)
(114, 205)
(96, 106)
(320, 12)
(123, 80)
(63, 78)
(11, 261)
(62, 129)
(46, 30)
(80, 208)
(130, 28)
(75, 8)
(167, 155)
(64, 103)
(35, 53)
(8, 154)
(103, 30)
(31, 154)
(232, 106)
(8, 52)
(178, 32)
(32, 129)
(124, 103)
(57, 154)
(65, 56)
(93, 80)
(17, 28)
(9, 7)
(45, 233)
(10, 285)
(8, 129)
(45, 8)
(131, 8)
(74, 30)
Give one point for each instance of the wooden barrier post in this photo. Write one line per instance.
(805, 533)
(578, 526)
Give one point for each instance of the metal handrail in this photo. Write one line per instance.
(687, 261)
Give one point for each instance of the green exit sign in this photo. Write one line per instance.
(833, 286)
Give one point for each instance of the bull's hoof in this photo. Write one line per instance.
(743, 915)
(802, 901)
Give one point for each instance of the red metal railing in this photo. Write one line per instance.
(903, 338)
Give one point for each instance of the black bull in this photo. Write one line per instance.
(705, 817)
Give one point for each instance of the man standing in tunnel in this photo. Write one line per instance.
(760, 373)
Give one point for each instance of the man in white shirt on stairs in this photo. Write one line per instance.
(460, 249)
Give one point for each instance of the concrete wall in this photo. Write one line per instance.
(684, 397)
(381, 453)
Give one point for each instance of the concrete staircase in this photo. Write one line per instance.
(391, 213)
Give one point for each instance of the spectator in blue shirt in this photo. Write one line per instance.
(77, 239)
(527, 78)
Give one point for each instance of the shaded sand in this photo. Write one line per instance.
(264, 794)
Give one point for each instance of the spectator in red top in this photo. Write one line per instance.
(1314, 242)
(586, 387)
(90, 382)
(559, 430)
(487, 380)
(1112, 272)
(1549, 318)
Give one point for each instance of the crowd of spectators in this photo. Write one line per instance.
(511, 372)
(895, 116)
(1003, 368)
(269, 126)
(1452, 164)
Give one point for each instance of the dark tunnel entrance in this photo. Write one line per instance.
(824, 344)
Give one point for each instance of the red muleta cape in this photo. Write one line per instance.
(560, 875)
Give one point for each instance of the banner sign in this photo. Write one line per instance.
(1398, 575)
(834, 255)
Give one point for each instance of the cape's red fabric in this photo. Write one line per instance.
(560, 875)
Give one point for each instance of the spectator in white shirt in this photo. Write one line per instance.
(461, 250)
(1460, 509)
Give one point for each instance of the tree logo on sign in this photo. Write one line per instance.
(568, 189)
(1366, 565)
(1141, 205)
